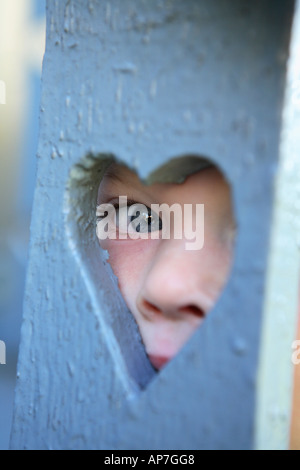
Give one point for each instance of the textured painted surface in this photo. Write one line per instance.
(147, 81)
(2, 353)
(281, 301)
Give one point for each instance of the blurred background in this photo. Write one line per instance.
(22, 46)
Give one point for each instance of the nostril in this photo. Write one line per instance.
(149, 307)
(193, 310)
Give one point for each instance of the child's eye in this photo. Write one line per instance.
(137, 218)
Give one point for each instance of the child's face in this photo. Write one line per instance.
(168, 289)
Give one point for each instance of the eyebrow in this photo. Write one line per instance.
(113, 174)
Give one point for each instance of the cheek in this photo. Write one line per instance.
(129, 261)
(216, 261)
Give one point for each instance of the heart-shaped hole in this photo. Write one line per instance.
(169, 242)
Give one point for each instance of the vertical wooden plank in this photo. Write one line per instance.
(274, 392)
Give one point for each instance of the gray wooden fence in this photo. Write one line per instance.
(147, 81)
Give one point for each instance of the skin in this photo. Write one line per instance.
(168, 289)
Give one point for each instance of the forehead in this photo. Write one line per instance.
(208, 182)
(175, 170)
(120, 174)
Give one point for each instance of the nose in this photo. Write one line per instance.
(180, 282)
